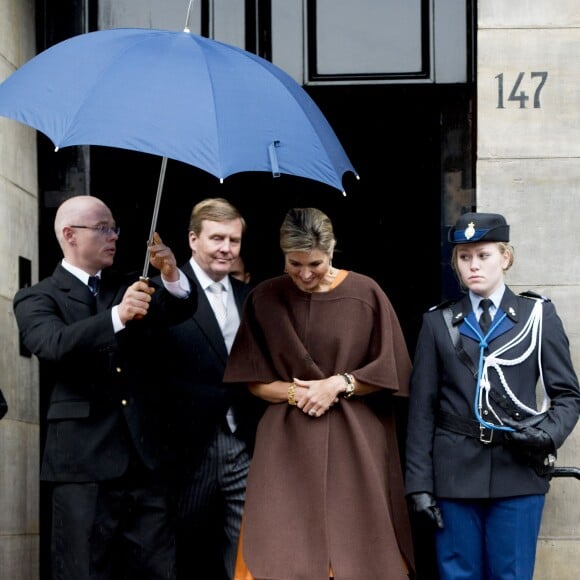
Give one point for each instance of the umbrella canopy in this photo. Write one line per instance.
(177, 95)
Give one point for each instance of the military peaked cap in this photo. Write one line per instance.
(479, 227)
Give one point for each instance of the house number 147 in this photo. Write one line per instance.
(518, 94)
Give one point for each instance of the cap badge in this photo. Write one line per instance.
(469, 231)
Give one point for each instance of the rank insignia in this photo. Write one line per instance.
(511, 311)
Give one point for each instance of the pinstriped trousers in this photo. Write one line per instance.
(210, 510)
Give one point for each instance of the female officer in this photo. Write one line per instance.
(479, 448)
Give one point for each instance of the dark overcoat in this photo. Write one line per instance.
(197, 357)
(107, 398)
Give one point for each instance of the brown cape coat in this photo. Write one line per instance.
(329, 490)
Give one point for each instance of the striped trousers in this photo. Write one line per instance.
(210, 507)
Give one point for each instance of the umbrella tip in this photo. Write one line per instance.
(344, 194)
(55, 149)
(221, 179)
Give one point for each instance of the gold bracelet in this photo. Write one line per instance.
(350, 385)
(292, 394)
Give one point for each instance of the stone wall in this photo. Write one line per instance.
(19, 429)
(528, 168)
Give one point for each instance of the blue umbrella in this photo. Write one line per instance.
(177, 95)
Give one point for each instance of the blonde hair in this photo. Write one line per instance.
(305, 229)
(215, 209)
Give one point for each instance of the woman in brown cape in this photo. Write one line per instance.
(324, 347)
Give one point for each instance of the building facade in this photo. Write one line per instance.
(442, 106)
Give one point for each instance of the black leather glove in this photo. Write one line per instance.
(531, 444)
(529, 436)
(423, 504)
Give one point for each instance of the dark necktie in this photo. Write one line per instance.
(94, 282)
(485, 318)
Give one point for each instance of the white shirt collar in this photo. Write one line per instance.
(204, 279)
(77, 272)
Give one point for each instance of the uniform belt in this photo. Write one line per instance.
(468, 427)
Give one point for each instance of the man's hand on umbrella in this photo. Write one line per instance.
(135, 303)
(162, 258)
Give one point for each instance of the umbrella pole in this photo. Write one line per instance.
(186, 29)
(155, 216)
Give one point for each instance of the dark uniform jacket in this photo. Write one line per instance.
(107, 399)
(452, 465)
(197, 357)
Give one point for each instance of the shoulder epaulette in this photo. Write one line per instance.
(534, 295)
(443, 304)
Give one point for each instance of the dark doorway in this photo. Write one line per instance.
(393, 138)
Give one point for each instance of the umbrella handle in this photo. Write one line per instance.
(146, 280)
(155, 216)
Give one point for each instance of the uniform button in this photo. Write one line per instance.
(485, 412)
(517, 415)
(124, 402)
(118, 369)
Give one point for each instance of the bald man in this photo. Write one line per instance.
(96, 334)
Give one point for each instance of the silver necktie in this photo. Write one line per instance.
(215, 294)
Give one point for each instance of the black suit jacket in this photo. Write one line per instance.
(457, 466)
(197, 358)
(107, 399)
